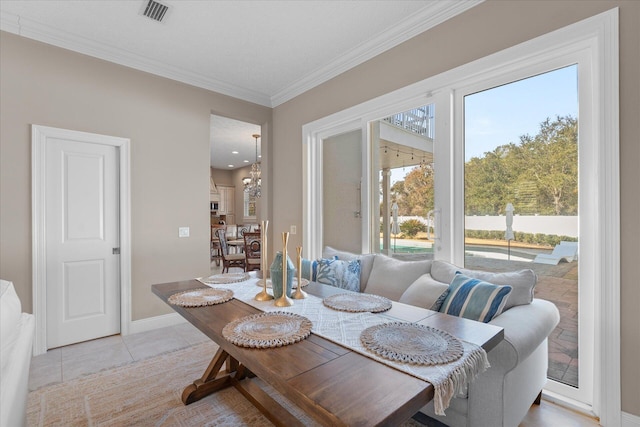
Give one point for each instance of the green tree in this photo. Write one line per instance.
(551, 159)
(411, 227)
(488, 182)
(539, 175)
(414, 195)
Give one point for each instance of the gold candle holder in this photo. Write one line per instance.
(284, 300)
(299, 293)
(263, 296)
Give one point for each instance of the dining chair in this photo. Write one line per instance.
(252, 246)
(216, 250)
(229, 260)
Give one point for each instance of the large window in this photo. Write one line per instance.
(586, 50)
(249, 206)
(404, 163)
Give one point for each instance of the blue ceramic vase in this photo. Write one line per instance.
(276, 275)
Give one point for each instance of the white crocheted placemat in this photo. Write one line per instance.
(412, 343)
(201, 297)
(357, 303)
(267, 330)
(224, 278)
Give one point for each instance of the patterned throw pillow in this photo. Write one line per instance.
(310, 268)
(474, 299)
(438, 303)
(339, 273)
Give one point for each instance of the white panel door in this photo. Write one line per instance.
(82, 230)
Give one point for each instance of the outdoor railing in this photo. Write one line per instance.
(419, 120)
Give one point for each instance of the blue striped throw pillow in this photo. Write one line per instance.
(474, 299)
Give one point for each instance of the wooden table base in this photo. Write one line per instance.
(238, 376)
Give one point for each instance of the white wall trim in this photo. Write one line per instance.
(630, 420)
(39, 137)
(156, 322)
(598, 35)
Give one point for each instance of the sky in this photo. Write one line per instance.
(501, 115)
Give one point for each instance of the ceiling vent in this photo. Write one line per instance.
(155, 10)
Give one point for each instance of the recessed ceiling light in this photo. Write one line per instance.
(260, 156)
(234, 152)
(246, 161)
(230, 166)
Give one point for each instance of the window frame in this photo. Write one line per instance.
(597, 39)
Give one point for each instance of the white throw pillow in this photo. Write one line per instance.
(10, 313)
(423, 292)
(522, 281)
(391, 277)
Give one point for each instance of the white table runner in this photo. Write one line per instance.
(345, 328)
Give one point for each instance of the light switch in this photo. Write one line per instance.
(183, 232)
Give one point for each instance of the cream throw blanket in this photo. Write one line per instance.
(344, 328)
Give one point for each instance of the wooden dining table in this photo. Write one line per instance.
(333, 384)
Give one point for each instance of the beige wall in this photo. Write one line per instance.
(168, 124)
(485, 29)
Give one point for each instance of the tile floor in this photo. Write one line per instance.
(69, 362)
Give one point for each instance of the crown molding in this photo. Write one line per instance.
(437, 13)
(46, 34)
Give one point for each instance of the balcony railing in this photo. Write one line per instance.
(419, 120)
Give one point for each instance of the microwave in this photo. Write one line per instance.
(214, 206)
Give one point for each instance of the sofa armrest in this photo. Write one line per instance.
(14, 386)
(525, 327)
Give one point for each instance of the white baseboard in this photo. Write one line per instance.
(156, 322)
(630, 420)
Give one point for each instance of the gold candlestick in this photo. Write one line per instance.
(299, 293)
(284, 300)
(263, 296)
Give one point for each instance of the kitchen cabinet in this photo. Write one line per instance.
(227, 200)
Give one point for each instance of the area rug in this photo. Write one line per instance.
(147, 393)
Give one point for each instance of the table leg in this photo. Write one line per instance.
(211, 380)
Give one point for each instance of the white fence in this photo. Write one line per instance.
(553, 225)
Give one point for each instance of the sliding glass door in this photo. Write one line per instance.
(521, 203)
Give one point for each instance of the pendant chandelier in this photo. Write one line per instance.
(253, 183)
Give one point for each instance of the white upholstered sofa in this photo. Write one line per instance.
(16, 336)
(502, 395)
